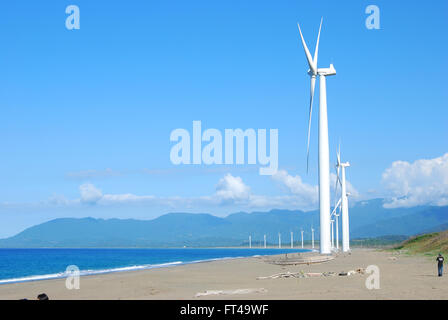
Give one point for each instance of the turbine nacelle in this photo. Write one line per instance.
(331, 71)
(344, 164)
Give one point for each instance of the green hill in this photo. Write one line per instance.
(427, 244)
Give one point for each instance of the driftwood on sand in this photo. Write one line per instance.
(226, 292)
(300, 259)
(299, 274)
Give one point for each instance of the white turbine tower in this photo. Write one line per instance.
(312, 237)
(324, 158)
(279, 240)
(250, 241)
(344, 202)
(292, 240)
(332, 234)
(336, 217)
(265, 241)
(301, 231)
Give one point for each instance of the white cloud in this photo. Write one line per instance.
(307, 194)
(422, 182)
(89, 193)
(231, 193)
(350, 189)
(231, 189)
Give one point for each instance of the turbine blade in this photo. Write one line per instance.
(316, 51)
(336, 184)
(339, 161)
(339, 179)
(307, 53)
(313, 84)
(336, 187)
(338, 156)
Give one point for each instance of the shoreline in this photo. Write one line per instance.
(93, 272)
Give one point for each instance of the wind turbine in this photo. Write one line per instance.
(292, 240)
(312, 238)
(279, 240)
(250, 241)
(265, 241)
(301, 231)
(332, 233)
(324, 158)
(344, 202)
(336, 217)
(337, 205)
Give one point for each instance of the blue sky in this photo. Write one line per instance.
(95, 107)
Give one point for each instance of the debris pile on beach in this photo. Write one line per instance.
(352, 272)
(302, 274)
(392, 258)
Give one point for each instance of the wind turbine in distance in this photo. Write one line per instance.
(324, 158)
(301, 231)
(344, 202)
(292, 240)
(335, 214)
(265, 241)
(279, 240)
(250, 241)
(332, 233)
(336, 217)
(312, 238)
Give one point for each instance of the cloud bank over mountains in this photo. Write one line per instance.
(421, 182)
(229, 191)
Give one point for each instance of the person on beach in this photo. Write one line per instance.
(440, 264)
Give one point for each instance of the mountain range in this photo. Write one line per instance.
(368, 219)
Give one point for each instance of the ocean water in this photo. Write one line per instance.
(18, 265)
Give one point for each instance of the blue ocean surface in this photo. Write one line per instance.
(17, 265)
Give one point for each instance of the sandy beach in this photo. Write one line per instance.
(401, 277)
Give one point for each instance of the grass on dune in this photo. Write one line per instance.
(429, 244)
